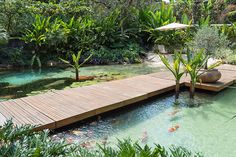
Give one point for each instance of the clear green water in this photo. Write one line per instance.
(208, 127)
(28, 76)
(16, 84)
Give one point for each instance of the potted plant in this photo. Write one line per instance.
(211, 41)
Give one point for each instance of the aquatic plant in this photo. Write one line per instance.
(16, 141)
(194, 67)
(75, 63)
(174, 69)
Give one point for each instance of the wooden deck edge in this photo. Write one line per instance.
(211, 88)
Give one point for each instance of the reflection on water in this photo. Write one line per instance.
(15, 84)
(207, 128)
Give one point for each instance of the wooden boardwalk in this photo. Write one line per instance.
(60, 108)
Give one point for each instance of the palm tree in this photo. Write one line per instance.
(174, 69)
(75, 63)
(194, 66)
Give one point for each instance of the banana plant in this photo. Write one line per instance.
(75, 63)
(194, 67)
(37, 36)
(174, 69)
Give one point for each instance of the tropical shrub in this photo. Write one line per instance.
(80, 34)
(130, 53)
(229, 31)
(22, 141)
(37, 37)
(14, 16)
(210, 40)
(153, 17)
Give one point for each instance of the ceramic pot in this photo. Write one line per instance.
(210, 76)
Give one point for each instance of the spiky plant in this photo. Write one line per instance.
(22, 142)
(75, 62)
(174, 69)
(193, 65)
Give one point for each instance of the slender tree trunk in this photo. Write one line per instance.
(192, 90)
(177, 86)
(206, 66)
(77, 75)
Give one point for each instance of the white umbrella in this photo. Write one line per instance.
(173, 26)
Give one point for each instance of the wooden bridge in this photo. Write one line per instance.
(60, 108)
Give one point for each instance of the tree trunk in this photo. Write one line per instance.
(206, 66)
(192, 90)
(177, 86)
(77, 75)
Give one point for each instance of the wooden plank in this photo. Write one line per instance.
(3, 119)
(35, 115)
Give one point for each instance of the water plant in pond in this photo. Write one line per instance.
(22, 141)
(194, 65)
(75, 63)
(174, 69)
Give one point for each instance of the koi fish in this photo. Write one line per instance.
(174, 128)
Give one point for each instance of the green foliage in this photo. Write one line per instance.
(57, 27)
(193, 66)
(152, 18)
(75, 62)
(14, 15)
(37, 36)
(229, 31)
(231, 59)
(131, 53)
(108, 29)
(22, 141)
(80, 33)
(3, 36)
(174, 69)
(210, 40)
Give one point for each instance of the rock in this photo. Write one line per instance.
(210, 76)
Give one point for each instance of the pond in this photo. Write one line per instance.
(15, 84)
(208, 127)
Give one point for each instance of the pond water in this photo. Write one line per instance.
(208, 127)
(21, 83)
